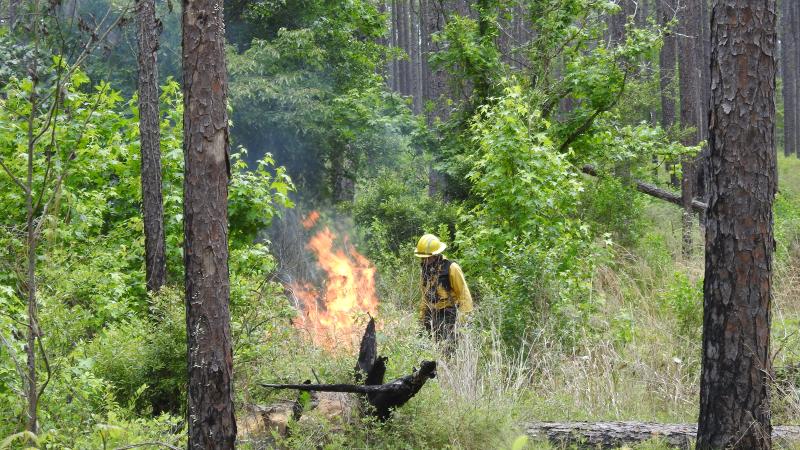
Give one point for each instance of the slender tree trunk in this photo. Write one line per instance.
(394, 64)
(13, 10)
(435, 90)
(667, 60)
(789, 74)
(689, 82)
(736, 364)
(703, 96)
(480, 91)
(616, 24)
(796, 33)
(32, 389)
(402, 42)
(150, 135)
(207, 170)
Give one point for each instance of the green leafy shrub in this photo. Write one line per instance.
(144, 358)
(683, 300)
(393, 213)
(613, 208)
(523, 237)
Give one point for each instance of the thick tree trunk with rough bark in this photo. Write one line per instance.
(210, 362)
(736, 360)
(150, 135)
(789, 65)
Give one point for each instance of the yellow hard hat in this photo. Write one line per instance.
(429, 245)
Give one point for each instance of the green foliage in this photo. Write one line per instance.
(143, 358)
(308, 90)
(393, 213)
(116, 355)
(523, 238)
(683, 300)
(253, 196)
(612, 208)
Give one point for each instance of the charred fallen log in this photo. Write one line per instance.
(383, 397)
(653, 191)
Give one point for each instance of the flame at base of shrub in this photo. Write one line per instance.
(329, 313)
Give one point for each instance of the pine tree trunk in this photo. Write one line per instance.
(13, 10)
(688, 43)
(789, 73)
(210, 363)
(736, 364)
(796, 68)
(703, 89)
(394, 64)
(616, 24)
(402, 42)
(667, 60)
(434, 82)
(150, 135)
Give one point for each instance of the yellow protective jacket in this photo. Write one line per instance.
(458, 295)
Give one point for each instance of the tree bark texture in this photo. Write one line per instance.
(150, 135)
(789, 63)
(616, 24)
(667, 59)
(703, 95)
(31, 386)
(608, 435)
(689, 47)
(210, 362)
(13, 8)
(736, 364)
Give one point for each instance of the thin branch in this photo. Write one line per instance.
(14, 178)
(588, 123)
(49, 154)
(13, 355)
(46, 361)
(60, 179)
(89, 47)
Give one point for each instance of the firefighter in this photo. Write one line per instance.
(445, 295)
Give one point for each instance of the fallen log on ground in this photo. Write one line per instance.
(383, 397)
(608, 435)
(653, 191)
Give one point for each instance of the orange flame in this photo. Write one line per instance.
(329, 314)
(310, 220)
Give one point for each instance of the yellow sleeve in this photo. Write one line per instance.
(458, 284)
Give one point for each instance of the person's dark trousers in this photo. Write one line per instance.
(441, 324)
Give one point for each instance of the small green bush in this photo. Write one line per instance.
(683, 300)
(144, 358)
(611, 207)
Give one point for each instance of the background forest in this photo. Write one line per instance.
(519, 131)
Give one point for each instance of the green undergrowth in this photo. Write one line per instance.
(638, 357)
